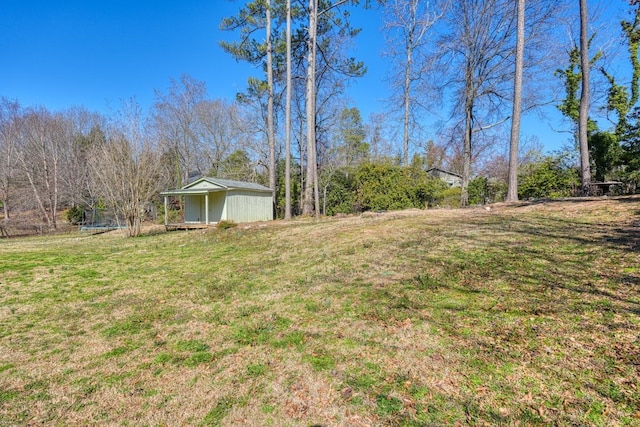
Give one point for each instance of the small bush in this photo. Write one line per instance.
(548, 178)
(75, 215)
(225, 225)
(483, 191)
(448, 198)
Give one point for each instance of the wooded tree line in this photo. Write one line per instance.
(485, 62)
(83, 160)
(477, 65)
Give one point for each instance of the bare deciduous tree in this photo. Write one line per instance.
(40, 155)
(83, 130)
(477, 53)
(407, 23)
(175, 117)
(377, 137)
(481, 46)
(127, 169)
(219, 129)
(10, 112)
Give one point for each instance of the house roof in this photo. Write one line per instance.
(444, 171)
(217, 184)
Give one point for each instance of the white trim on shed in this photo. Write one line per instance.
(211, 200)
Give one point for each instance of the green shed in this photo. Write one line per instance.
(211, 200)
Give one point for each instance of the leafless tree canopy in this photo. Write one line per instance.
(126, 169)
(54, 161)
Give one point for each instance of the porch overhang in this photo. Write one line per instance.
(189, 192)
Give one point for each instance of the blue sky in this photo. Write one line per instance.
(95, 53)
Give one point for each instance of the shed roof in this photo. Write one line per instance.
(216, 184)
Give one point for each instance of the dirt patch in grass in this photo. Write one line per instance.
(520, 314)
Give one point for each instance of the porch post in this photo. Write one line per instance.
(206, 208)
(166, 211)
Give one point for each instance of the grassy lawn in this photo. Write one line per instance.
(525, 314)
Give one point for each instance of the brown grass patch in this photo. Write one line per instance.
(522, 314)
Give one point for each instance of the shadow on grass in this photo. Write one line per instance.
(529, 289)
(634, 199)
(579, 257)
(525, 265)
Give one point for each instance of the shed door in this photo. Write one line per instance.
(194, 208)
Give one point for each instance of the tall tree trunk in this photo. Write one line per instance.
(287, 171)
(466, 154)
(55, 192)
(47, 178)
(512, 192)
(36, 195)
(585, 167)
(308, 206)
(270, 126)
(407, 93)
(468, 135)
(302, 149)
(316, 195)
(5, 207)
(316, 186)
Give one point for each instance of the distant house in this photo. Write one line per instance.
(211, 200)
(452, 179)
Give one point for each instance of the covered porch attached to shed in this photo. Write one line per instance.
(208, 201)
(201, 208)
